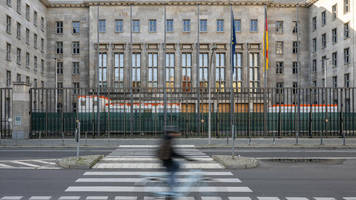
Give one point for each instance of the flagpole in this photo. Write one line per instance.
(98, 76)
(130, 76)
(265, 73)
(231, 84)
(197, 73)
(164, 72)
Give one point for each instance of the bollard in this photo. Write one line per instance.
(77, 137)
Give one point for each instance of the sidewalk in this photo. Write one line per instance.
(198, 142)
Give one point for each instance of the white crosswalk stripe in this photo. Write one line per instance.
(125, 198)
(11, 198)
(267, 198)
(239, 198)
(156, 165)
(69, 198)
(40, 198)
(145, 173)
(349, 198)
(324, 198)
(296, 198)
(134, 180)
(97, 198)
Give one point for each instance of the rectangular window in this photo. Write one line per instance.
(59, 67)
(237, 75)
(295, 68)
(42, 65)
(75, 47)
(334, 59)
(18, 6)
(75, 67)
(170, 63)
(59, 27)
(279, 67)
(334, 35)
(279, 48)
(42, 45)
(279, 26)
(102, 25)
(334, 81)
(203, 25)
(135, 25)
(237, 25)
(119, 26)
(76, 87)
(346, 6)
(295, 86)
(220, 25)
(347, 56)
(334, 11)
(8, 52)
(253, 25)
(186, 25)
(279, 88)
(119, 70)
(8, 78)
(295, 28)
(35, 18)
(27, 60)
(59, 47)
(8, 2)
(254, 72)
(27, 12)
(203, 70)
(42, 23)
(27, 36)
(295, 47)
(323, 18)
(28, 80)
(136, 69)
(152, 70)
(347, 80)
(18, 78)
(186, 71)
(314, 65)
(346, 30)
(35, 63)
(314, 23)
(152, 24)
(35, 82)
(18, 56)
(18, 31)
(35, 41)
(220, 71)
(102, 69)
(76, 27)
(169, 25)
(323, 40)
(314, 45)
(8, 24)
(323, 62)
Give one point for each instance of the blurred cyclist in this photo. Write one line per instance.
(166, 154)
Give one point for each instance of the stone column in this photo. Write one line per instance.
(21, 110)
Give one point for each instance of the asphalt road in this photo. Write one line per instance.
(269, 179)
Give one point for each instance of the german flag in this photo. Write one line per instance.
(265, 41)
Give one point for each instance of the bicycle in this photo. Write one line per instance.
(160, 187)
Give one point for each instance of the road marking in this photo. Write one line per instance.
(177, 198)
(140, 173)
(324, 198)
(26, 164)
(44, 162)
(97, 198)
(11, 198)
(239, 198)
(154, 146)
(69, 198)
(156, 165)
(148, 159)
(349, 198)
(152, 189)
(210, 198)
(125, 198)
(134, 180)
(296, 198)
(40, 198)
(267, 198)
(5, 166)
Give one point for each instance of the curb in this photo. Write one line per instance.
(72, 163)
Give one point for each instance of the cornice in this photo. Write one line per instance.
(88, 3)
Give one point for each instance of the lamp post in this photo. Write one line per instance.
(209, 95)
(56, 84)
(325, 64)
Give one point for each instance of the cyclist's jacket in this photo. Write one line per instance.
(166, 151)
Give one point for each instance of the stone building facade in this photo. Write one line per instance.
(119, 42)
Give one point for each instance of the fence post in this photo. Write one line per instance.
(21, 110)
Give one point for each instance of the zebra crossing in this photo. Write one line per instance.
(29, 164)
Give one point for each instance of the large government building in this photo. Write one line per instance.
(177, 43)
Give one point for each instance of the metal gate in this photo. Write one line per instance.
(5, 113)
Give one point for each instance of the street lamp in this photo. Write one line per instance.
(209, 95)
(56, 80)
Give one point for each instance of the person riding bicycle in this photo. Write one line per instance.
(166, 154)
